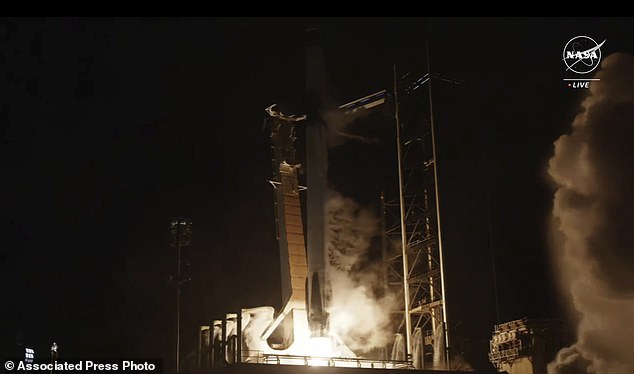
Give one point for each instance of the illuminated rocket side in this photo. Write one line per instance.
(317, 290)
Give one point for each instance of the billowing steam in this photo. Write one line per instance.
(359, 314)
(350, 232)
(593, 168)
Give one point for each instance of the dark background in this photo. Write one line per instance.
(110, 127)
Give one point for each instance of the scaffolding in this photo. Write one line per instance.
(412, 230)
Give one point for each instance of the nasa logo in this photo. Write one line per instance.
(582, 54)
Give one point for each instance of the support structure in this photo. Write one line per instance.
(290, 231)
(413, 226)
(181, 236)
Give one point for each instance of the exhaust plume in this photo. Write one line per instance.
(359, 314)
(594, 210)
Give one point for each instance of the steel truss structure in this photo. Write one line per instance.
(412, 229)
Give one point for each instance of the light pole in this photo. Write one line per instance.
(181, 235)
(54, 354)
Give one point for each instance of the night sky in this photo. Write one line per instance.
(110, 127)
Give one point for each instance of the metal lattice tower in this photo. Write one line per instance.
(413, 235)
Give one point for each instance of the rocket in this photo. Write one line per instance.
(317, 286)
(320, 102)
(306, 291)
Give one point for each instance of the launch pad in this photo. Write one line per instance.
(340, 362)
(305, 330)
(282, 369)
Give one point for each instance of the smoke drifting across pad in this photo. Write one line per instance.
(594, 213)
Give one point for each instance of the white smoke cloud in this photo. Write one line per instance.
(358, 314)
(594, 209)
(350, 232)
(254, 323)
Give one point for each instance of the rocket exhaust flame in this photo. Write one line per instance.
(594, 210)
